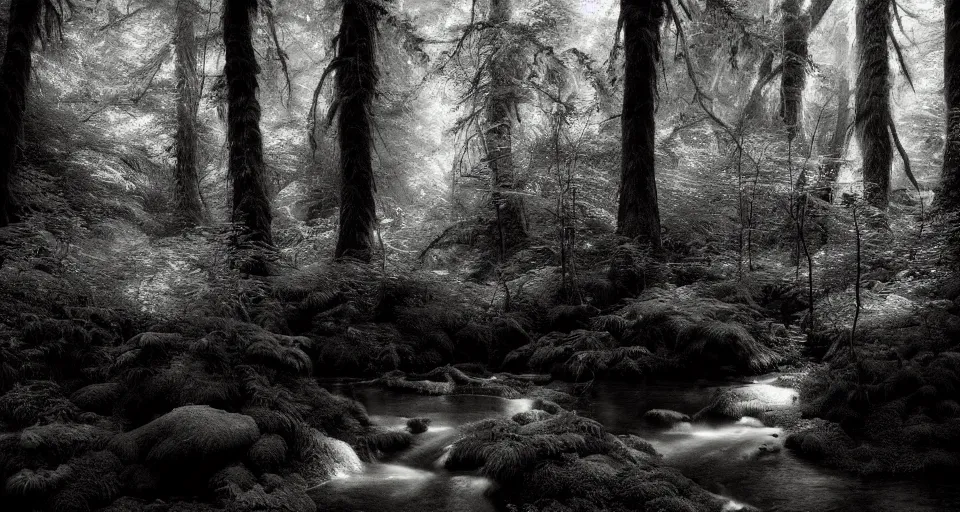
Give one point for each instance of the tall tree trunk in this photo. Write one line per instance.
(356, 84)
(797, 26)
(794, 77)
(873, 118)
(189, 208)
(498, 137)
(251, 213)
(950, 186)
(14, 81)
(638, 215)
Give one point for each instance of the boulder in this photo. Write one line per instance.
(188, 443)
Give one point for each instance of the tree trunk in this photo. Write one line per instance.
(356, 84)
(498, 137)
(251, 213)
(638, 215)
(797, 26)
(793, 77)
(189, 208)
(950, 185)
(873, 117)
(14, 81)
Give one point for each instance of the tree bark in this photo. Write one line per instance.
(501, 105)
(873, 117)
(795, 54)
(189, 208)
(797, 26)
(251, 213)
(638, 215)
(356, 85)
(14, 82)
(950, 185)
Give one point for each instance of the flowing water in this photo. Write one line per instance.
(741, 460)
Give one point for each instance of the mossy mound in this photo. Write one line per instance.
(562, 461)
(716, 329)
(189, 443)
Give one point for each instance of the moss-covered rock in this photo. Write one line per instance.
(188, 444)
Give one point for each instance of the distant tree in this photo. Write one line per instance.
(950, 186)
(251, 213)
(638, 215)
(29, 21)
(838, 140)
(873, 117)
(189, 208)
(357, 76)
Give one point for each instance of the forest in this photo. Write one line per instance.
(480, 255)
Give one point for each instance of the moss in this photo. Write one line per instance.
(139, 480)
(547, 405)
(571, 478)
(616, 325)
(327, 458)
(42, 482)
(188, 444)
(99, 398)
(95, 482)
(236, 475)
(418, 425)
(288, 498)
(819, 440)
(375, 445)
(714, 344)
(639, 444)
(60, 441)
(530, 416)
(36, 402)
(268, 453)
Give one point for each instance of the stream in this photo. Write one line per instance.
(743, 461)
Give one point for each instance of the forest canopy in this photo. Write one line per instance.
(234, 232)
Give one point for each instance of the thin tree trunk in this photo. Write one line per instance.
(950, 186)
(189, 208)
(873, 117)
(251, 213)
(500, 110)
(356, 85)
(638, 215)
(14, 82)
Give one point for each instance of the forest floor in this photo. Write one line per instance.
(135, 376)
